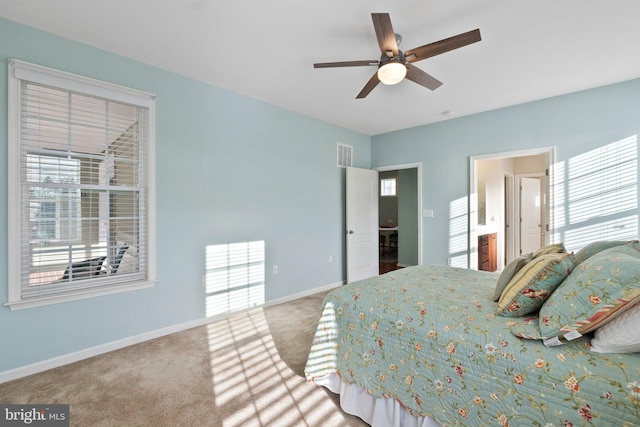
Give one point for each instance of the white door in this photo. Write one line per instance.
(362, 224)
(530, 215)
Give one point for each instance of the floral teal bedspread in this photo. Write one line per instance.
(428, 337)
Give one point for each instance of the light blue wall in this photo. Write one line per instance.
(229, 169)
(575, 124)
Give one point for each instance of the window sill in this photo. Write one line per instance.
(40, 301)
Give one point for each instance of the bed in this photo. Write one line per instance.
(428, 345)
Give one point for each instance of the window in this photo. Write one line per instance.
(81, 190)
(388, 186)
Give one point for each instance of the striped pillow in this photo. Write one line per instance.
(557, 248)
(507, 274)
(533, 284)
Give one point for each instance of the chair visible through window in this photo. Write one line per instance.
(93, 267)
(118, 259)
(84, 269)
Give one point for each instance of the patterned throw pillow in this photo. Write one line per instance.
(533, 284)
(507, 274)
(596, 247)
(621, 335)
(595, 292)
(556, 248)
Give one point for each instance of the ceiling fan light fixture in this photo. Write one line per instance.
(392, 72)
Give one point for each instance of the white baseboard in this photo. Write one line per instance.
(303, 294)
(55, 362)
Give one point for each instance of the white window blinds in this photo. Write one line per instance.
(83, 199)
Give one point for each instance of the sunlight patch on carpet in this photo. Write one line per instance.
(245, 361)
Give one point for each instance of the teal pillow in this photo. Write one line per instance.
(603, 286)
(593, 248)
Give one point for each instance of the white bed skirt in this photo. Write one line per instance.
(379, 412)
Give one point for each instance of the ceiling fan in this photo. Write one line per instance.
(394, 65)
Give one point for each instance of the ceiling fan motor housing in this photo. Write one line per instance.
(385, 59)
(392, 68)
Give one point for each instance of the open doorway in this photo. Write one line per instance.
(502, 210)
(399, 216)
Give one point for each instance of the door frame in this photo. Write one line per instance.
(417, 166)
(472, 200)
(510, 218)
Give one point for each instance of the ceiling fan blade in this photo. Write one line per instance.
(346, 64)
(416, 75)
(372, 83)
(384, 33)
(442, 46)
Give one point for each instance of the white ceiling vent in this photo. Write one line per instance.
(345, 155)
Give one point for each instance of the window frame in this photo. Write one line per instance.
(23, 71)
(395, 187)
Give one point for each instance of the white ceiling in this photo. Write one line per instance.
(530, 49)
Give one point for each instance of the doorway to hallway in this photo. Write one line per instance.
(399, 207)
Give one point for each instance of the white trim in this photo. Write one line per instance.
(418, 166)
(22, 70)
(14, 193)
(78, 294)
(66, 359)
(510, 218)
(292, 297)
(150, 181)
(516, 153)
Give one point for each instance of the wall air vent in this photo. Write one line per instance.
(345, 155)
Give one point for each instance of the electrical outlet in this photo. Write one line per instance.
(330, 259)
(275, 269)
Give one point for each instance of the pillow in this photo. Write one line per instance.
(593, 248)
(507, 274)
(621, 335)
(533, 284)
(597, 290)
(550, 249)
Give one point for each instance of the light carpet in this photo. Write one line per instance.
(243, 371)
